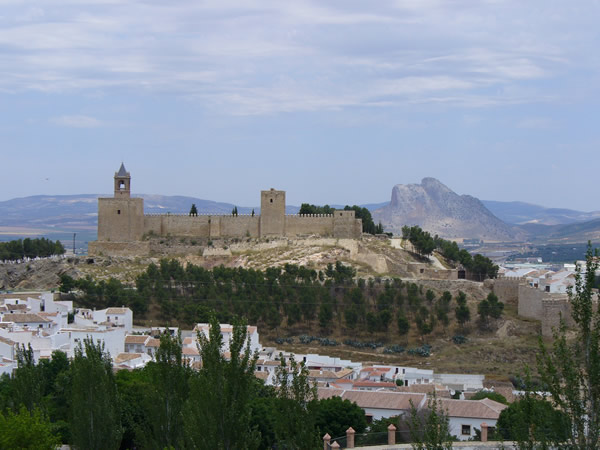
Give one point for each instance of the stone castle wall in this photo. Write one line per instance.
(531, 301)
(552, 311)
(121, 219)
(205, 226)
(309, 224)
(507, 289)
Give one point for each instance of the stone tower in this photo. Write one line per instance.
(272, 213)
(122, 183)
(121, 218)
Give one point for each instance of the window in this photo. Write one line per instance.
(271, 200)
(466, 430)
(118, 211)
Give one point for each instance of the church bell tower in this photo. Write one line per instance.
(122, 183)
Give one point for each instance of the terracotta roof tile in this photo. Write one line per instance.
(477, 409)
(24, 318)
(136, 339)
(117, 310)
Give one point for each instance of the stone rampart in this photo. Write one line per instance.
(239, 226)
(202, 226)
(552, 311)
(530, 301)
(507, 289)
(298, 225)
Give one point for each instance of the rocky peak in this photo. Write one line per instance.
(436, 208)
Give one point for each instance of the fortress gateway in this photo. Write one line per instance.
(123, 226)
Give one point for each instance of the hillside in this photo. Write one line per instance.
(570, 233)
(519, 213)
(437, 209)
(513, 339)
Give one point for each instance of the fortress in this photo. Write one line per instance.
(122, 224)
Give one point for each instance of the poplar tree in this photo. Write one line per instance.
(167, 392)
(95, 415)
(218, 414)
(571, 368)
(27, 380)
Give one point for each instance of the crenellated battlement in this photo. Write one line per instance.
(309, 215)
(122, 219)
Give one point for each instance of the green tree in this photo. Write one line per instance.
(491, 395)
(95, 416)
(488, 308)
(351, 317)
(295, 425)
(193, 210)
(26, 430)
(325, 315)
(67, 283)
(533, 423)
(166, 394)
(308, 209)
(403, 325)
(462, 311)
(429, 428)
(425, 322)
(218, 414)
(430, 295)
(372, 322)
(27, 381)
(334, 416)
(571, 368)
(384, 318)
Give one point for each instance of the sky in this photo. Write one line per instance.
(334, 101)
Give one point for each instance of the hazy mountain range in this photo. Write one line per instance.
(432, 205)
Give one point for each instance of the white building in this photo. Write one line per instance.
(465, 416)
(378, 404)
(112, 338)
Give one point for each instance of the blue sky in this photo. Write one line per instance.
(333, 101)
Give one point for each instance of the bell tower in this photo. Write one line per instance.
(122, 183)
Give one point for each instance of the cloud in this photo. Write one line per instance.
(76, 121)
(268, 56)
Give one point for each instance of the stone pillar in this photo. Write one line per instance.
(335, 445)
(326, 441)
(484, 432)
(391, 434)
(350, 437)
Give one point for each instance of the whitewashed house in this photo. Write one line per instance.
(465, 416)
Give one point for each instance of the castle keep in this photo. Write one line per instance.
(122, 222)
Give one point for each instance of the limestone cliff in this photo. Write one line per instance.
(439, 210)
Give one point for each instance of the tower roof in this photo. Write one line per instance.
(122, 172)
